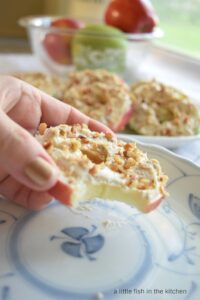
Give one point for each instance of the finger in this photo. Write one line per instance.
(11, 189)
(24, 158)
(34, 200)
(98, 126)
(76, 117)
(55, 112)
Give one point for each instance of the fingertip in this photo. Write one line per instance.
(98, 126)
(32, 200)
(38, 207)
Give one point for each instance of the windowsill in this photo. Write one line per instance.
(14, 45)
(178, 52)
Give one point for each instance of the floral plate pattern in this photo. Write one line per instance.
(104, 249)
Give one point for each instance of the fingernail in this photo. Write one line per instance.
(39, 171)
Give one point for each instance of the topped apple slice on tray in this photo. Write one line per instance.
(94, 164)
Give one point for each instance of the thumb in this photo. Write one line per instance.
(24, 158)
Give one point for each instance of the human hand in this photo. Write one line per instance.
(27, 172)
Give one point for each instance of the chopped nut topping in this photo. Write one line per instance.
(130, 162)
(62, 132)
(42, 128)
(94, 155)
(114, 167)
(118, 159)
(47, 145)
(109, 136)
(93, 170)
(75, 145)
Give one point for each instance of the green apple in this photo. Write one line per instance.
(99, 46)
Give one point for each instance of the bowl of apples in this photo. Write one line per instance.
(119, 43)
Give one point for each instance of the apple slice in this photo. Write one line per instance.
(163, 110)
(95, 164)
(124, 120)
(101, 95)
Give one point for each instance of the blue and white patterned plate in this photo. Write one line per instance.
(106, 250)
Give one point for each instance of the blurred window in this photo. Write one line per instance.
(180, 21)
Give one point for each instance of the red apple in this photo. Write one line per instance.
(131, 16)
(58, 45)
(57, 48)
(67, 23)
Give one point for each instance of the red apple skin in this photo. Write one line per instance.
(67, 23)
(58, 48)
(62, 193)
(58, 45)
(131, 16)
(124, 121)
(154, 205)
